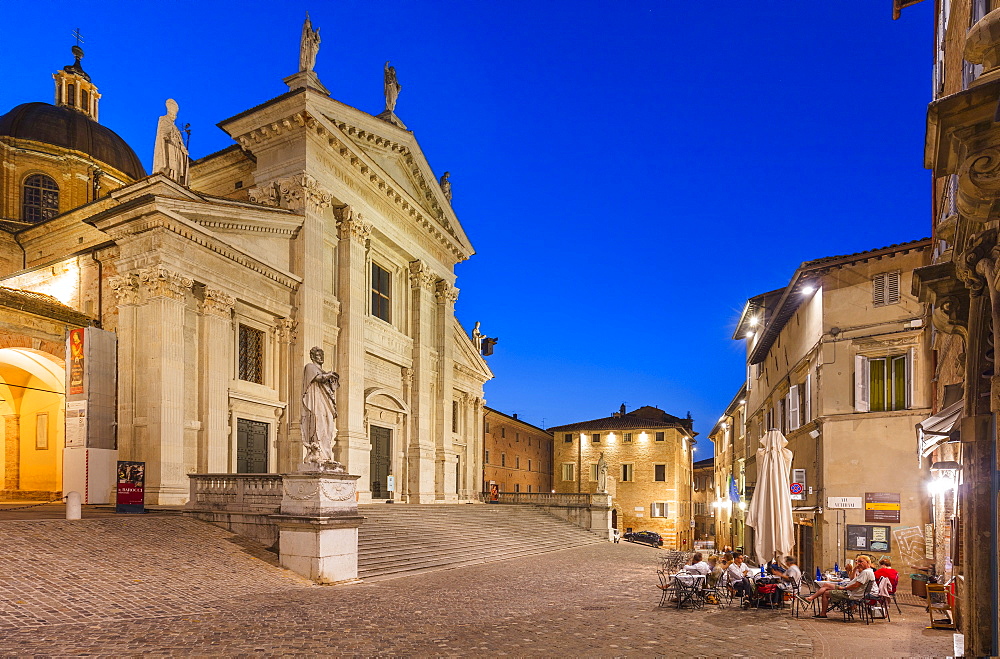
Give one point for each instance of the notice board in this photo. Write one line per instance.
(863, 537)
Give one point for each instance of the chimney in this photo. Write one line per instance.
(514, 415)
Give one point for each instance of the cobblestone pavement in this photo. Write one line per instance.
(170, 586)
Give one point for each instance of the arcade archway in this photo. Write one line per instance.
(32, 404)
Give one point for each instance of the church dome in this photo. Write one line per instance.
(61, 126)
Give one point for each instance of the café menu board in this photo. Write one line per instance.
(862, 537)
(882, 507)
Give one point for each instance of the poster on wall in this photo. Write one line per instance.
(882, 507)
(76, 361)
(131, 495)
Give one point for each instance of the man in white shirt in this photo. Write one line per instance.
(853, 589)
(791, 577)
(737, 572)
(698, 565)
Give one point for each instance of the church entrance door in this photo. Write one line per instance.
(251, 446)
(381, 439)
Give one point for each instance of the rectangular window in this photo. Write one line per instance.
(529, 464)
(882, 384)
(454, 416)
(593, 473)
(569, 471)
(659, 436)
(486, 458)
(486, 427)
(626, 437)
(596, 438)
(42, 431)
(381, 293)
(503, 459)
(517, 462)
(503, 432)
(251, 354)
(660, 473)
(658, 509)
(517, 487)
(627, 472)
(782, 415)
(529, 487)
(885, 288)
(568, 438)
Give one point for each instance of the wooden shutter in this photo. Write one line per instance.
(807, 398)
(860, 383)
(793, 407)
(892, 287)
(878, 289)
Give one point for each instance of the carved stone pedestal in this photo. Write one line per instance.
(318, 526)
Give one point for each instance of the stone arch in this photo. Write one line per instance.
(32, 388)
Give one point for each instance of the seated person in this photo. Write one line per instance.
(885, 570)
(714, 570)
(697, 566)
(738, 572)
(791, 576)
(853, 589)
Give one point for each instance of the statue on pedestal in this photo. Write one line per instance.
(602, 475)
(319, 414)
(170, 156)
(308, 46)
(477, 337)
(392, 88)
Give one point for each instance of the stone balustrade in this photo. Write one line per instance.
(235, 493)
(588, 511)
(545, 498)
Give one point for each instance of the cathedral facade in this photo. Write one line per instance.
(321, 226)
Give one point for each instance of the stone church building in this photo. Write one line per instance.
(199, 301)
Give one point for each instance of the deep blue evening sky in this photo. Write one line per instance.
(628, 172)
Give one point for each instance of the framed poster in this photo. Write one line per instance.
(131, 495)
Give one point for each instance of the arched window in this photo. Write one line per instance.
(41, 198)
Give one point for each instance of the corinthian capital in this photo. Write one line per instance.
(287, 330)
(350, 224)
(217, 303)
(126, 288)
(158, 281)
(421, 276)
(445, 292)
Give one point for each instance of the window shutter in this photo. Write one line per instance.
(892, 287)
(793, 407)
(878, 290)
(807, 398)
(860, 383)
(911, 365)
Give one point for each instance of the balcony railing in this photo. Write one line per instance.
(543, 498)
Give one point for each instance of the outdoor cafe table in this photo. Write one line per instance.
(688, 589)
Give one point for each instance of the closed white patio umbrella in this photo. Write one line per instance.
(770, 512)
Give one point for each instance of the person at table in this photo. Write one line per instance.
(738, 572)
(789, 573)
(714, 570)
(697, 566)
(885, 570)
(853, 589)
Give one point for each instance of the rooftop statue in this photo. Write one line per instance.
(308, 46)
(319, 414)
(446, 185)
(392, 88)
(170, 156)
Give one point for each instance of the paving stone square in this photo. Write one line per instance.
(171, 586)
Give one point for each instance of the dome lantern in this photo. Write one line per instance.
(74, 88)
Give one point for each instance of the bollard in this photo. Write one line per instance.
(73, 508)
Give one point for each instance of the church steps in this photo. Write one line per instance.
(402, 539)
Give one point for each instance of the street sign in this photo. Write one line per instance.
(391, 483)
(843, 502)
(795, 488)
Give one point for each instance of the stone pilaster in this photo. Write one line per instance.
(289, 450)
(353, 447)
(126, 290)
(445, 296)
(217, 356)
(158, 350)
(420, 450)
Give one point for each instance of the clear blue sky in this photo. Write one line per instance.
(628, 172)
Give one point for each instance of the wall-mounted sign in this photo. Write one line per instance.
(868, 538)
(798, 478)
(843, 502)
(882, 507)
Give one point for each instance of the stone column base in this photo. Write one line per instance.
(323, 549)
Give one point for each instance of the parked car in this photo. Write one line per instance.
(645, 537)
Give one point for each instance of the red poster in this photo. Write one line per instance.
(131, 487)
(76, 361)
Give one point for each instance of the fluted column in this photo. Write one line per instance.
(353, 447)
(445, 296)
(420, 448)
(216, 354)
(289, 446)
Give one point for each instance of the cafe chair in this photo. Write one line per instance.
(666, 588)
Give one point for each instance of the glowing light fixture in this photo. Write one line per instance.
(753, 321)
(808, 289)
